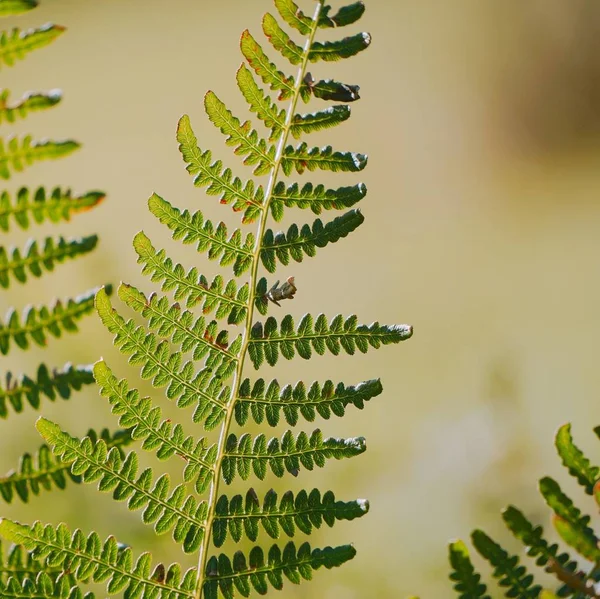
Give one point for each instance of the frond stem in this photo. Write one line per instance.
(237, 377)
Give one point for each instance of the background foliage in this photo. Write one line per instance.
(487, 116)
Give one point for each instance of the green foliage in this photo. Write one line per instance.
(43, 471)
(30, 102)
(577, 579)
(468, 581)
(22, 574)
(58, 383)
(203, 359)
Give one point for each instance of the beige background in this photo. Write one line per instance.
(481, 121)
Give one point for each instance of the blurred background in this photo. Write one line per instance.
(482, 125)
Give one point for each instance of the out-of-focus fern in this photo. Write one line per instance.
(203, 360)
(35, 325)
(578, 573)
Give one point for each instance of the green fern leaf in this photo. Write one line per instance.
(507, 570)
(568, 521)
(203, 389)
(245, 455)
(259, 571)
(60, 205)
(145, 422)
(264, 402)
(241, 135)
(260, 103)
(22, 565)
(42, 587)
(316, 198)
(328, 89)
(264, 68)
(225, 299)
(59, 383)
(192, 228)
(196, 336)
(35, 260)
(575, 461)
(303, 158)
(17, 44)
(31, 102)
(281, 41)
(16, 7)
(89, 558)
(219, 181)
(537, 547)
(332, 51)
(41, 471)
(37, 323)
(281, 246)
(293, 16)
(306, 511)
(268, 341)
(317, 121)
(17, 153)
(165, 508)
(345, 16)
(467, 581)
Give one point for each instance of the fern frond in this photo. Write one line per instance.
(264, 402)
(31, 102)
(575, 461)
(264, 68)
(346, 15)
(281, 41)
(202, 339)
(260, 103)
(16, 7)
(202, 388)
(192, 228)
(293, 16)
(237, 516)
(165, 508)
(37, 323)
(268, 341)
(345, 48)
(35, 260)
(226, 300)
(328, 89)
(259, 571)
(537, 547)
(467, 580)
(316, 198)
(507, 570)
(145, 422)
(22, 565)
(41, 471)
(317, 121)
(57, 206)
(245, 455)
(17, 153)
(17, 44)
(49, 384)
(281, 246)
(303, 158)
(240, 135)
(217, 180)
(42, 587)
(570, 524)
(91, 559)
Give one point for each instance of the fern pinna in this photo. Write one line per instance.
(23, 209)
(577, 579)
(20, 574)
(214, 382)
